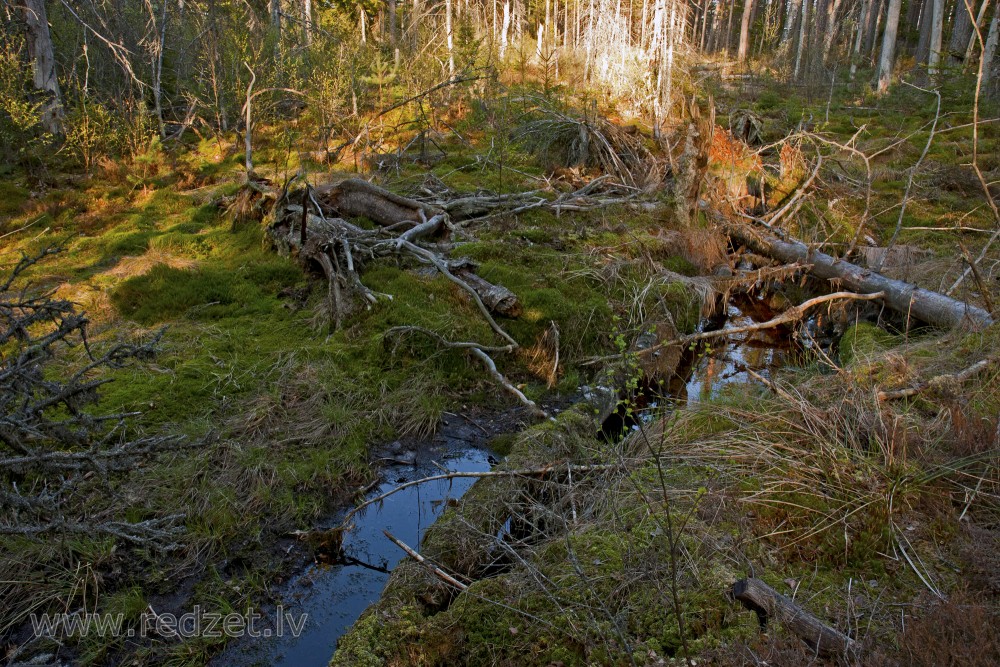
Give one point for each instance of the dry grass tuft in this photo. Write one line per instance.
(562, 140)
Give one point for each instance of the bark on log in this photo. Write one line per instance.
(356, 197)
(905, 298)
(758, 597)
(497, 298)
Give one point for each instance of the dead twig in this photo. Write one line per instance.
(435, 570)
(938, 381)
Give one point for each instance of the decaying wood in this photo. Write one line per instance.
(905, 298)
(497, 298)
(357, 197)
(768, 604)
(937, 382)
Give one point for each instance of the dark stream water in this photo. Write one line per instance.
(334, 596)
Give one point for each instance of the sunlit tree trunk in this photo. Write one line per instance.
(832, 28)
(744, 48)
(505, 28)
(43, 64)
(307, 26)
(888, 58)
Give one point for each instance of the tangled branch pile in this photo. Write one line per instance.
(52, 446)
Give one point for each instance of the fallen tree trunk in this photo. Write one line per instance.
(356, 197)
(904, 298)
(758, 597)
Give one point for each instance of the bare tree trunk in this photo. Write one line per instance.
(922, 54)
(961, 31)
(863, 13)
(888, 57)
(43, 63)
(991, 63)
(871, 29)
(275, 9)
(803, 38)
(744, 47)
(390, 9)
(832, 28)
(158, 68)
(974, 33)
(791, 16)
(937, 29)
(504, 30)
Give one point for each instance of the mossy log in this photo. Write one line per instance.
(905, 298)
(758, 597)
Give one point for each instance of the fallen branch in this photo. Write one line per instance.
(793, 314)
(758, 597)
(937, 382)
(537, 473)
(505, 383)
(435, 570)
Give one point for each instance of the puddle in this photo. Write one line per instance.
(713, 364)
(334, 596)
(725, 361)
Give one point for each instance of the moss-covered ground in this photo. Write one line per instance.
(283, 415)
(857, 508)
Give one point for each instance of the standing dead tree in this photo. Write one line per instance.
(54, 451)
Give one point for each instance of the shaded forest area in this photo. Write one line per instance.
(714, 285)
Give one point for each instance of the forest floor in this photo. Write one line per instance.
(880, 517)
